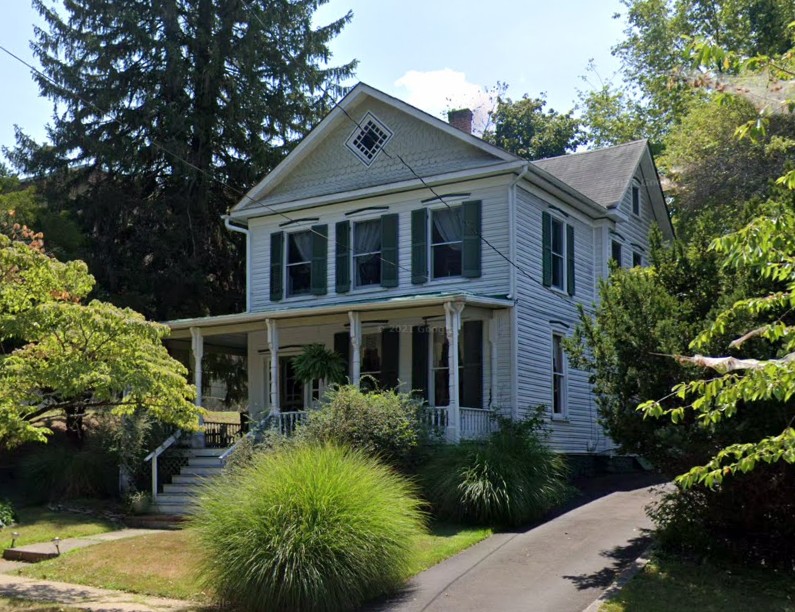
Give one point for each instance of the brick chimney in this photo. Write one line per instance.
(461, 119)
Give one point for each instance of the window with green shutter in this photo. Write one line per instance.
(419, 246)
(277, 254)
(472, 242)
(557, 256)
(389, 251)
(342, 259)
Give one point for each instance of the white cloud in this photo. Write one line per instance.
(437, 91)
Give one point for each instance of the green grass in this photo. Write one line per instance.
(38, 524)
(222, 417)
(668, 584)
(166, 564)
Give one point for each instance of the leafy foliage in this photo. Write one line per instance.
(72, 358)
(307, 528)
(525, 129)
(383, 423)
(316, 362)
(7, 514)
(227, 87)
(511, 479)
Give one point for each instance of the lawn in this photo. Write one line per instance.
(39, 524)
(668, 584)
(165, 564)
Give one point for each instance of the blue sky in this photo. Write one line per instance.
(435, 54)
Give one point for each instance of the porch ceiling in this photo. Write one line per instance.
(222, 325)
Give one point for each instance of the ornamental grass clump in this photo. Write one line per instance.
(307, 527)
(510, 479)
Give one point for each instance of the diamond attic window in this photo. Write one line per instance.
(366, 142)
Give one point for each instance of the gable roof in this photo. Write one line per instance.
(602, 175)
(343, 116)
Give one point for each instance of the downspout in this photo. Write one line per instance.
(512, 295)
(245, 231)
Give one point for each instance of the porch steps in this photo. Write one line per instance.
(178, 496)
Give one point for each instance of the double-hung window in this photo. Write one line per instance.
(447, 242)
(298, 264)
(440, 366)
(637, 259)
(367, 253)
(558, 377)
(557, 238)
(615, 252)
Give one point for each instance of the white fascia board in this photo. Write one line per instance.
(397, 303)
(368, 192)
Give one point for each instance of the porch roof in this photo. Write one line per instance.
(365, 305)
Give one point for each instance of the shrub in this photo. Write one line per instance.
(58, 471)
(7, 514)
(510, 479)
(307, 527)
(383, 423)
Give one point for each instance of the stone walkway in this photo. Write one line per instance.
(45, 550)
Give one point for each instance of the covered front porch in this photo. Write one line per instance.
(453, 350)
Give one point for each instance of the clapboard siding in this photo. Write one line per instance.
(333, 168)
(542, 311)
(494, 280)
(634, 229)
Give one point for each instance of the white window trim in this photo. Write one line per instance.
(286, 265)
(635, 186)
(359, 126)
(564, 414)
(553, 216)
(429, 236)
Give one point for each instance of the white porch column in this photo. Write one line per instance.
(273, 347)
(452, 320)
(197, 349)
(356, 344)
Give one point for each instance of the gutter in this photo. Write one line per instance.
(247, 233)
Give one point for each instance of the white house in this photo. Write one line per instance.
(434, 261)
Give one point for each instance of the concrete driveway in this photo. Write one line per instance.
(561, 565)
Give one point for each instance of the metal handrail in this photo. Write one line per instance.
(168, 443)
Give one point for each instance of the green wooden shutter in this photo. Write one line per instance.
(319, 259)
(419, 361)
(419, 246)
(570, 259)
(472, 379)
(277, 266)
(546, 248)
(470, 267)
(389, 251)
(342, 260)
(342, 346)
(390, 358)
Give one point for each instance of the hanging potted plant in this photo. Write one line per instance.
(318, 363)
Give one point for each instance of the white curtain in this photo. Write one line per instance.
(303, 242)
(448, 224)
(367, 237)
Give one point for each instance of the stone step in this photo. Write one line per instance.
(201, 470)
(175, 498)
(205, 462)
(188, 479)
(173, 509)
(178, 488)
(206, 452)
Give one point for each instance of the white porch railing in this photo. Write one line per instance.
(437, 417)
(476, 423)
(286, 422)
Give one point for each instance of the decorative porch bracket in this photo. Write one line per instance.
(356, 344)
(197, 349)
(452, 321)
(273, 347)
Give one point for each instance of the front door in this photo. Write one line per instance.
(291, 390)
